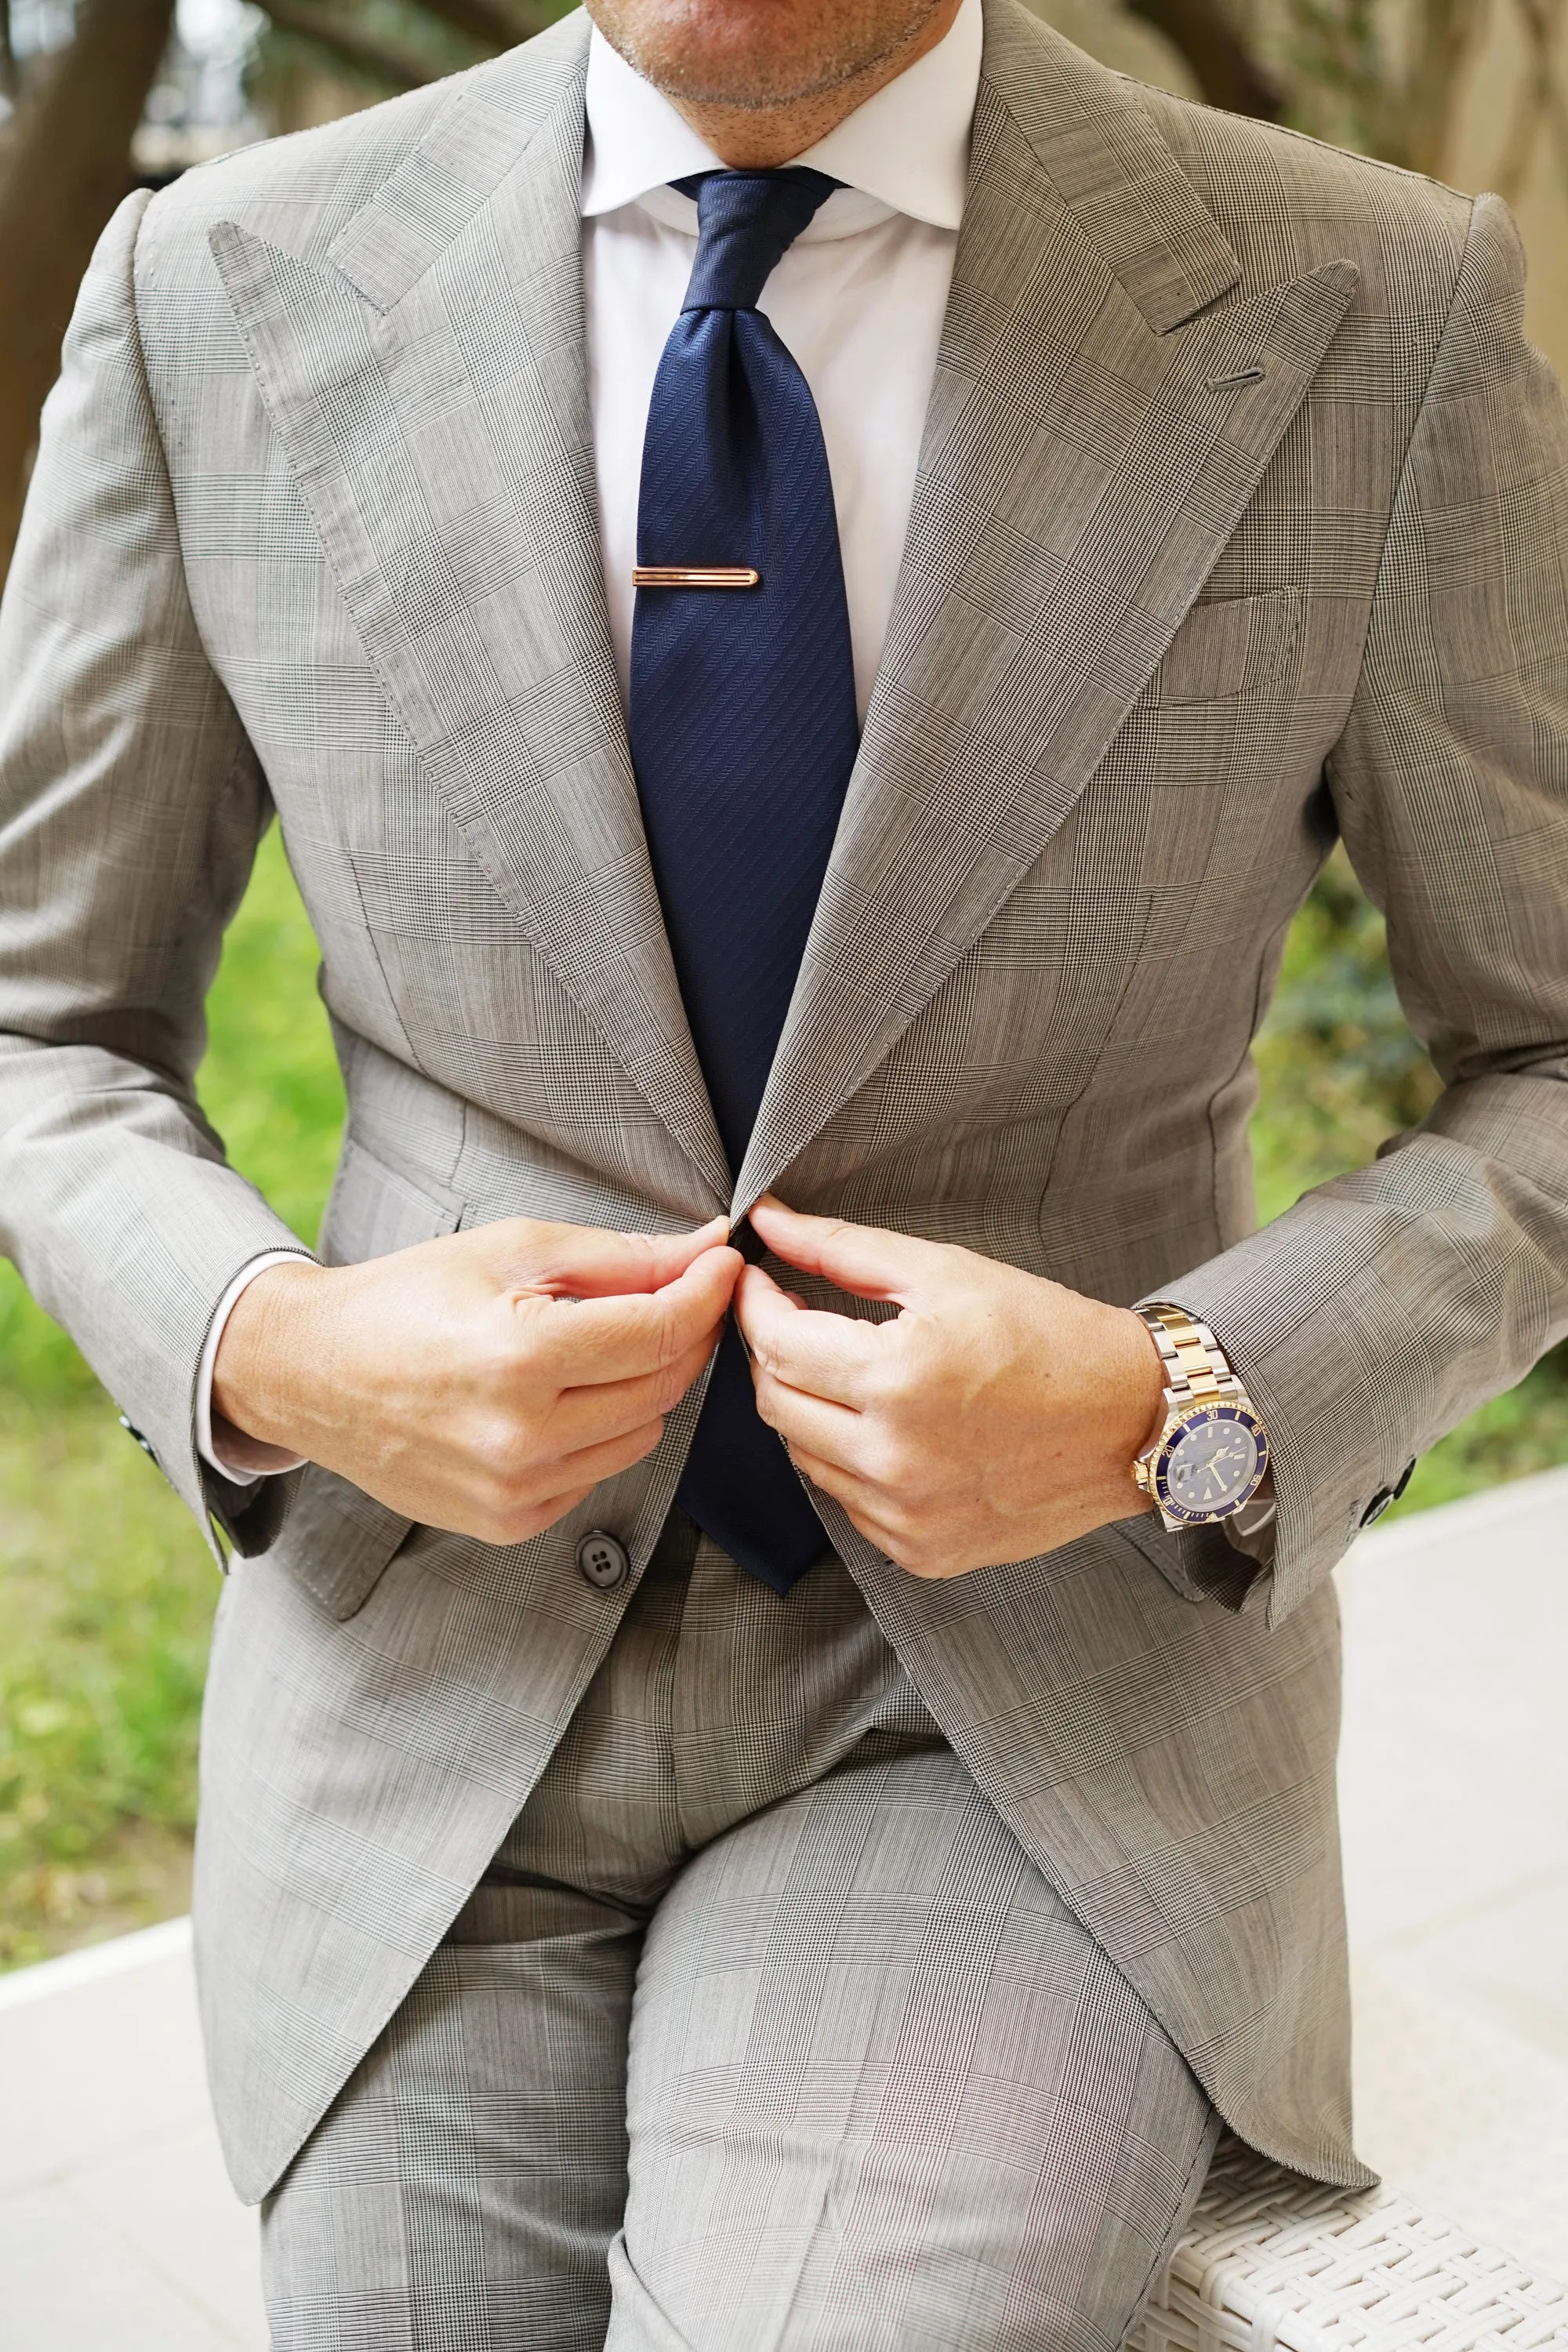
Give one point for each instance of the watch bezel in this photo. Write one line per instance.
(1195, 1417)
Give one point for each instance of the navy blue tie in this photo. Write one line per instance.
(743, 732)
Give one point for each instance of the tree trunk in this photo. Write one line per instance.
(1227, 73)
(397, 63)
(65, 163)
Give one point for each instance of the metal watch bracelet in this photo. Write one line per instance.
(1196, 1370)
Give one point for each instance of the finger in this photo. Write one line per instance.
(826, 1355)
(860, 1258)
(833, 1431)
(590, 1465)
(831, 1476)
(586, 1262)
(597, 1339)
(859, 1503)
(534, 1521)
(607, 1408)
(513, 1511)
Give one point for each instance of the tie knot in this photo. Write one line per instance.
(746, 223)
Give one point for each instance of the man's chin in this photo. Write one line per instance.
(758, 55)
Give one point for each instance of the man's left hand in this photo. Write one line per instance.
(996, 1416)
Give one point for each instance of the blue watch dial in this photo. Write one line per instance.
(1212, 1463)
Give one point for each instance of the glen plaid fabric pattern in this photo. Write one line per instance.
(1240, 518)
(884, 2094)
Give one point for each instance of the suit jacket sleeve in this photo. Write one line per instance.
(1385, 1306)
(130, 805)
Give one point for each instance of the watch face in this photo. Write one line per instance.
(1212, 1463)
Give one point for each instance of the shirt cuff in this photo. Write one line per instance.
(241, 1460)
(1251, 1530)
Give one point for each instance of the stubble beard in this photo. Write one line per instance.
(666, 44)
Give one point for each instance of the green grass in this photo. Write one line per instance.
(1341, 1072)
(107, 1590)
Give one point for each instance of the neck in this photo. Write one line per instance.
(759, 138)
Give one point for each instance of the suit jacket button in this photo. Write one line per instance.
(603, 1559)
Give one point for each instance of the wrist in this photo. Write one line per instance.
(1135, 1407)
(269, 1352)
(1144, 1389)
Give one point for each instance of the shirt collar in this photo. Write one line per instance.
(905, 151)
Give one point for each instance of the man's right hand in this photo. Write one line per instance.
(485, 1382)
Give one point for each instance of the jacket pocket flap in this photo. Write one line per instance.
(337, 1541)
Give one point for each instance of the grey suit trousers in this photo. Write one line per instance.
(762, 2032)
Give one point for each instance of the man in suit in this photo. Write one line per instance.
(811, 584)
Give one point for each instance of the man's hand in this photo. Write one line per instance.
(485, 1382)
(996, 1417)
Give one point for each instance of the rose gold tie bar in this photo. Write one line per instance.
(695, 575)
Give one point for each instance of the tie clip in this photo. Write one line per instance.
(695, 575)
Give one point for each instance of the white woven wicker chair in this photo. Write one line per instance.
(1272, 2261)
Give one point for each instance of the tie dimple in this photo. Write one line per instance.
(746, 223)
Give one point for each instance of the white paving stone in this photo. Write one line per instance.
(117, 2232)
(118, 2228)
(95, 2050)
(1470, 2121)
(69, 2284)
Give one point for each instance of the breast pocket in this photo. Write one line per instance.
(1227, 649)
(1218, 709)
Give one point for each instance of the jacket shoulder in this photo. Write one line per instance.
(1290, 202)
(1286, 205)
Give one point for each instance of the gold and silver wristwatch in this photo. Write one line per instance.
(1211, 1453)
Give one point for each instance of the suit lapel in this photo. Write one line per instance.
(1090, 448)
(427, 380)
(1100, 420)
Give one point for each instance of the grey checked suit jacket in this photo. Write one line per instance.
(1242, 520)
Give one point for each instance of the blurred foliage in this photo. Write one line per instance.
(1341, 1072)
(106, 1598)
(1340, 1067)
(318, 59)
(295, 80)
(106, 1588)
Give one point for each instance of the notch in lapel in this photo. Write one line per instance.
(428, 382)
(1097, 427)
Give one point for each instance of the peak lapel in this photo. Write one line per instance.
(1085, 462)
(427, 383)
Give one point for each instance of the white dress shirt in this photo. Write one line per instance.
(860, 299)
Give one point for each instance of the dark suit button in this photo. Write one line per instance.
(145, 1444)
(1386, 1497)
(604, 1559)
